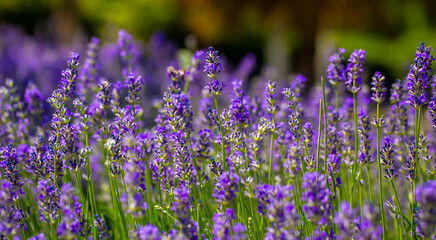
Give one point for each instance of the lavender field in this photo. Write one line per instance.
(127, 141)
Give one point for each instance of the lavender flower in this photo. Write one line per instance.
(48, 201)
(9, 164)
(213, 68)
(33, 98)
(432, 112)
(133, 84)
(181, 208)
(346, 222)
(146, 232)
(213, 65)
(240, 106)
(369, 227)
(11, 216)
(39, 236)
(378, 87)
(316, 198)
(387, 160)
(277, 205)
(271, 99)
(411, 163)
(69, 77)
(333, 163)
(425, 214)
(127, 52)
(354, 71)
(73, 221)
(222, 227)
(101, 228)
(90, 70)
(364, 156)
(226, 187)
(335, 69)
(419, 75)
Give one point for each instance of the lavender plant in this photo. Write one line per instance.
(96, 161)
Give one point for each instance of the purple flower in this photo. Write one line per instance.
(101, 228)
(226, 187)
(48, 201)
(387, 160)
(39, 236)
(73, 221)
(411, 163)
(364, 156)
(184, 168)
(89, 74)
(162, 158)
(333, 163)
(432, 113)
(222, 228)
(335, 69)
(419, 75)
(127, 51)
(133, 84)
(11, 217)
(270, 88)
(354, 70)
(134, 204)
(9, 164)
(277, 205)
(369, 227)
(297, 86)
(316, 198)
(180, 207)
(69, 77)
(146, 232)
(213, 65)
(378, 87)
(426, 212)
(33, 98)
(240, 105)
(346, 222)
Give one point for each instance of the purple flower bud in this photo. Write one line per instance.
(419, 75)
(213, 65)
(424, 214)
(226, 187)
(316, 198)
(354, 70)
(378, 87)
(336, 69)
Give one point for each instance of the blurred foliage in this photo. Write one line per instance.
(291, 33)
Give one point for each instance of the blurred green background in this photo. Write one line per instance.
(293, 36)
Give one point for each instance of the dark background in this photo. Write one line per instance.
(293, 36)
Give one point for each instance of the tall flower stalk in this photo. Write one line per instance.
(378, 87)
(419, 75)
(353, 83)
(213, 68)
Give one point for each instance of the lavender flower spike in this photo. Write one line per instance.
(354, 71)
(316, 198)
(419, 75)
(335, 68)
(378, 87)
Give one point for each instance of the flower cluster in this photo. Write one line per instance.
(132, 146)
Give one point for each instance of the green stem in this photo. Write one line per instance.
(399, 207)
(271, 153)
(356, 145)
(223, 147)
(380, 175)
(325, 131)
(368, 170)
(319, 136)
